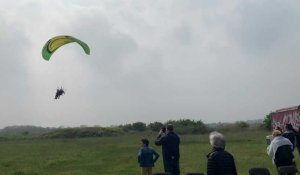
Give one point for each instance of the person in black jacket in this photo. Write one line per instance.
(297, 138)
(219, 161)
(169, 141)
(289, 134)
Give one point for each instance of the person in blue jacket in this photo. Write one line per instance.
(147, 156)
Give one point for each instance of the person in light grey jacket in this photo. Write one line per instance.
(280, 150)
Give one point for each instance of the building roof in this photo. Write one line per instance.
(288, 109)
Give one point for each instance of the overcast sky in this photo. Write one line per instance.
(209, 60)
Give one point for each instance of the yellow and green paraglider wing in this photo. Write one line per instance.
(56, 42)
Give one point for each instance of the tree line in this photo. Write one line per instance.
(182, 126)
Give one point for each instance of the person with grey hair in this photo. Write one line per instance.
(219, 161)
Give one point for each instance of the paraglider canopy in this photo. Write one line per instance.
(56, 42)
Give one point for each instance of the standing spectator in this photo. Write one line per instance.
(219, 161)
(147, 156)
(297, 136)
(289, 134)
(280, 150)
(169, 141)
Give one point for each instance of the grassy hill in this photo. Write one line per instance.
(23, 131)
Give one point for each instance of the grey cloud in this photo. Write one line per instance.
(158, 60)
(183, 34)
(108, 44)
(260, 25)
(15, 81)
(13, 65)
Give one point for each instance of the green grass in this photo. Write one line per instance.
(117, 155)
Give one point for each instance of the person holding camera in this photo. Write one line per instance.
(169, 141)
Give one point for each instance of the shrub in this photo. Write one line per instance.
(156, 126)
(241, 124)
(139, 126)
(267, 122)
(187, 126)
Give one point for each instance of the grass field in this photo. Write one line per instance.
(117, 155)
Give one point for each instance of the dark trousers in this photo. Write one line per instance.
(284, 163)
(172, 166)
(298, 148)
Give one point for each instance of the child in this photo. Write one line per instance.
(146, 157)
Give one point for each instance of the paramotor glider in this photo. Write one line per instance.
(56, 42)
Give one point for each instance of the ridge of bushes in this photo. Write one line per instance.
(182, 126)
